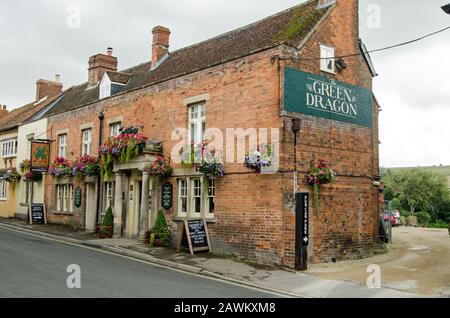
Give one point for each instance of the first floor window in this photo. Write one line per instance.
(115, 129)
(197, 122)
(194, 199)
(87, 139)
(64, 198)
(327, 59)
(3, 190)
(9, 148)
(62, 145)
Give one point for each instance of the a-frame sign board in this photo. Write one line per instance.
(195, 232)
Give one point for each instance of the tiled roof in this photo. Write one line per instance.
(118, 77)
(288, 27)
(24, 113)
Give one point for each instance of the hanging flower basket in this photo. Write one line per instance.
(122, 148)
(159, 168)
(320, 174)
(12, 176)
(258, 159)
(27, 174)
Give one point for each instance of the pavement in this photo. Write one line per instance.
(275, 281)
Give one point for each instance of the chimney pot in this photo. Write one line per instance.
(160, 47)
(57, 78)
(109, 51)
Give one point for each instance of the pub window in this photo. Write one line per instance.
(182, 196)
(196, 196)
(64, 198)
(210, 204)
(327, 59)
(115, 129)
(87, 139)
(197, 122)
(3, 190)
(62, 145)
(109, 190)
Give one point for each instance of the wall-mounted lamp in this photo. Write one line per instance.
(340, 64)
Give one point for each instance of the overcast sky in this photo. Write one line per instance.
(40, 38)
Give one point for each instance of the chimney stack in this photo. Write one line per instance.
(3, 111)
(99, 64)
(48, 88)
(160, 47)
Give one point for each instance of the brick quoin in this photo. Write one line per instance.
(255, 216)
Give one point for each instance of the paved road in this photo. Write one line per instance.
(35, 267)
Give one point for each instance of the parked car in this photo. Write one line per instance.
(395, 218)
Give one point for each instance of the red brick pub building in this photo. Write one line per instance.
(260, 76)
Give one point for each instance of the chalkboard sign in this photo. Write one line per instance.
(37, 213)
(196, 234)
(167, 196)
(78, 197)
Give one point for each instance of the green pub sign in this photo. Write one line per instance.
(78, 197)
(319, 96)
(167, 196)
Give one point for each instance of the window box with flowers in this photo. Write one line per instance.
(86, 167)
(61, 168)
(321, 173)
(122, 148)
(206, 162)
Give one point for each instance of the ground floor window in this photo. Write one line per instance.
(3, 190)
(64, 198)
(109, 191)
(196, 197)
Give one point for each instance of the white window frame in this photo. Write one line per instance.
(197, 121)
(64, 198)
(3, 190)
(105, 87)
(327, 55)
(9, 148)
(62, 145)
(86, 136)
(115, 129)
(109, 190)
(197, 193)
(193, 191)
(183, 194)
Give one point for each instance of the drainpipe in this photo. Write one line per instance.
(101, 118)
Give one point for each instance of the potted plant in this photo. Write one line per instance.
(258, 159)
(319, 174)
(105, 230)
(160, 235)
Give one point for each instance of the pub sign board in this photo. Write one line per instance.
(37, 213)
(318, 96)
(78, 198)
(40, 156)
(195, 232)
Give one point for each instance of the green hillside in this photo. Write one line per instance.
(443, 170)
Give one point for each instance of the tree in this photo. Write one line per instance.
(417, 189)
